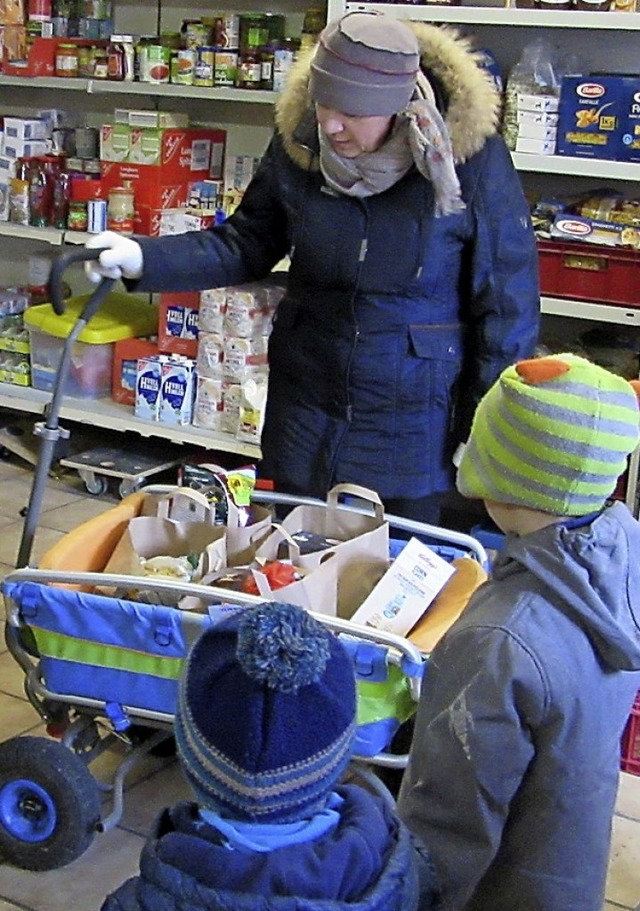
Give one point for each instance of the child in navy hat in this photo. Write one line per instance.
(264, 729)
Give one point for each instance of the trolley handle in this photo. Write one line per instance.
(60, 266)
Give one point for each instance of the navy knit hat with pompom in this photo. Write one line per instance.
(266, 714)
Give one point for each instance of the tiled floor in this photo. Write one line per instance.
(114, 855)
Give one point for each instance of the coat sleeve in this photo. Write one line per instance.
(481, 698)
(244, 248)
(501, 297)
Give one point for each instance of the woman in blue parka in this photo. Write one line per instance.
(413, 279)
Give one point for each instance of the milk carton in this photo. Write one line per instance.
(148, 381)
(177, 391)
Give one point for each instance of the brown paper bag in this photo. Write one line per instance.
(362, 552)
(317, 590)
(152, 536)
(187, 504)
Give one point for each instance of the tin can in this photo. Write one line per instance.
(204, 66)
(225, 66)
(156, 64)
(96, 216)
(283, 56)
(182, 66)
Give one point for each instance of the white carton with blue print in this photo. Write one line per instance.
(148, 382)
(629, 146)
(589, 116)
(177, 391)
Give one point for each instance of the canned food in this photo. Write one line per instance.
(283, 57)
(254, 32)
(182, 66)
(249, 70)
(204, 66)
(156, 64)
(96, 216)
(226, 66)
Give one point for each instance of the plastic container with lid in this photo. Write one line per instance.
(66, 62)
(120, 316)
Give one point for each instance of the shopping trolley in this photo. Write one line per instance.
(102, 670)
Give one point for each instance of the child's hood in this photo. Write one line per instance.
(594, 571)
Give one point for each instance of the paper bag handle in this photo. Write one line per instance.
(293, 547)
(354, 490)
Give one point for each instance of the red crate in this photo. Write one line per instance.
(590, 272)
(630, 752)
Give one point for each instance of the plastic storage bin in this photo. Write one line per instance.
(121, 316)
(631, 741)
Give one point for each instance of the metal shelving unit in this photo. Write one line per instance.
(109, 415)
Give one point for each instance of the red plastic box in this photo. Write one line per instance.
(125, 361)
(590, 272)
(631, 741)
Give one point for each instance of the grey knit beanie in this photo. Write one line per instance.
(365, 65)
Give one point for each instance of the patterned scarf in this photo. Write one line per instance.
(418, 137)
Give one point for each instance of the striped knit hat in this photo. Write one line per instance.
(552, 434)
(266, 714)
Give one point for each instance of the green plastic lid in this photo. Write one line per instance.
(120, 316)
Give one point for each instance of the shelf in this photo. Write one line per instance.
(576, 167)
(107, 414)
(498, 15)
(160, 90)
(603, 313)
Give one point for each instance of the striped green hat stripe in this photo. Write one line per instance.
(503, 468)
(554, 452)
(614, 420)
(616, 427)
(97, 654)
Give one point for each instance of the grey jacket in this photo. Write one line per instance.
(513, 774)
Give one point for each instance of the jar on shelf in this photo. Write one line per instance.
(267, 56)
(120, 210)
(203, 67)
(100, 63)
(77, 215)
(66, 63)
(284, 54)
(249, 69)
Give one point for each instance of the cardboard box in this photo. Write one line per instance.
(115, 141)
(595, 231)
(535, 146)
(405, 591)
(629, 146)
(589, 116)
(540, 103)
(540, 132)
(192, 153)
(24, 128)
(536, 117)
(157, 119)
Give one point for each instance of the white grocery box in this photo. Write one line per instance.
(405, 591)
(547, 103)
(535, 146)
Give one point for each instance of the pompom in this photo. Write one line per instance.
(282, 646)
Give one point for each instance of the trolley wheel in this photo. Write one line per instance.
(128, 486)
(96, 485)
(49, 804)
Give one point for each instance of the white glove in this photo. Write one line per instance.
(122, 257)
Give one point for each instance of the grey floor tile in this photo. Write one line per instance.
(11, 675)
(73, 514)
(82, 885)
(628, 802)
(11, 536)
(18, 717)
(9, 906)
(144, 801)
(623, 884)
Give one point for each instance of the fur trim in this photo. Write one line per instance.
(473, 110)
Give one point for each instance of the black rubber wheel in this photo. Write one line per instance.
(49, 804)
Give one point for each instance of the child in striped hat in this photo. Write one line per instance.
(264, 731)
(514, 765)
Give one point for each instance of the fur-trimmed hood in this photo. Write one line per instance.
(471, 100)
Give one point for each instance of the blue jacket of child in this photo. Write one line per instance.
(367, 863)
